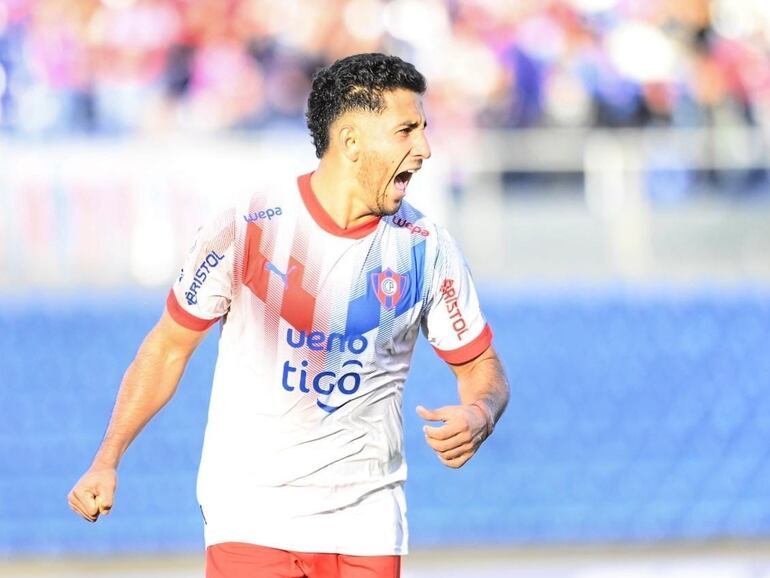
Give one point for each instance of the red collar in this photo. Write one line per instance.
(324, 220)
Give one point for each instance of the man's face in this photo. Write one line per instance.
(393, 148)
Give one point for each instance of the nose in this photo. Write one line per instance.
(421, 146)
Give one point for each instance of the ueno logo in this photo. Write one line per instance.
(318, 341)
(415, 229)
(324, 382)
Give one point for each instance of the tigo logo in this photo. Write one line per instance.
(324, 382)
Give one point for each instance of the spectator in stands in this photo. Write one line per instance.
(132, 65)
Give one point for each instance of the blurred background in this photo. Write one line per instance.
(603, 164)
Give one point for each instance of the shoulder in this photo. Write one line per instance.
(270, 202)
(227, 221)
(411, 223)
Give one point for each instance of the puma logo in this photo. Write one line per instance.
(284, 277)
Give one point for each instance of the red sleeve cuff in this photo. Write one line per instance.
(184, 318)
(469, 350)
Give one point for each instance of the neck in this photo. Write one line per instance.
(340, 194)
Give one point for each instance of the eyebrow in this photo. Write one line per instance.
(413, 125)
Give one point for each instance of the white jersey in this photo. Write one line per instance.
(304, 443)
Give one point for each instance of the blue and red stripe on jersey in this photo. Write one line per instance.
(364, 311)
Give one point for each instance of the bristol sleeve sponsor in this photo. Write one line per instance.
(210, 262)
(453, 321)
(303, 379)
(450, 295)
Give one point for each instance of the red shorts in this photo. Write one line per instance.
(237, 560)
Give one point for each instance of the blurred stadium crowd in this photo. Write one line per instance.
(134, 66)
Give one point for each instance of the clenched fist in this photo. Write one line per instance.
(463, 430)
(92, 495)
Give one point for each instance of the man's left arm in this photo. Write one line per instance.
(484, 393)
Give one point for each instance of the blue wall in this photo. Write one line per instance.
(635, 416)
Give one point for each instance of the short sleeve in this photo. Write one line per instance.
(453, 323)
(203, 290)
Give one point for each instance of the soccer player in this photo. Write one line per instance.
(321, 287)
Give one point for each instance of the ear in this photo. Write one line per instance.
(349, 141)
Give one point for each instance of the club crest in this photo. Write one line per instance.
(389, 287)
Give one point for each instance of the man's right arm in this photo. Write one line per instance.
(148, 384)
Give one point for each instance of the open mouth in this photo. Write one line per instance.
(401, 180)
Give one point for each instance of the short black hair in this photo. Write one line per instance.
(355, 82)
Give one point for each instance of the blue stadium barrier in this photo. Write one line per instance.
(634, 416)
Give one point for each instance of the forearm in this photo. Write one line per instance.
(484, 381)
(483, 391)
(148, 384)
